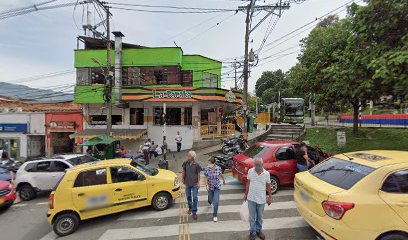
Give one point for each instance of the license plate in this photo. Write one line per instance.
(304, 196)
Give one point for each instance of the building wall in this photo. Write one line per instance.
(199, 64)
(36, 126)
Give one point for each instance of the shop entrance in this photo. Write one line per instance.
(61, 143)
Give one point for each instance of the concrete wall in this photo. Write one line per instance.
(156, 134)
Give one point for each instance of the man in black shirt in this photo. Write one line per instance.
(191, 178)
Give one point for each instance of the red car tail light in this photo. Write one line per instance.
(51, 201)
(336, 210)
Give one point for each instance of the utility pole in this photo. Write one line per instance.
(249, 9)
(108, 77)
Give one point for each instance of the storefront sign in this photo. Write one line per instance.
(62, 125)
(10, 127)
(172, 94)
(230, 96)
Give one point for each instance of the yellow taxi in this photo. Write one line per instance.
(105, 187)
(356, 196)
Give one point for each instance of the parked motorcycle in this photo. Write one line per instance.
(10, 164)
(235, 145)
(224, 161)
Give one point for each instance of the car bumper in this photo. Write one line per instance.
(242, 177)
(175, 192)
(50, 216)
(328, 228)
(8, 200)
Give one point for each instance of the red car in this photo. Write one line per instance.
(7, 192)
(279, 160)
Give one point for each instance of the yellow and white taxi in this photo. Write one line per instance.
(105, 187)
(356, 196)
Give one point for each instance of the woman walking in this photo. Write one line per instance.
(213, 175)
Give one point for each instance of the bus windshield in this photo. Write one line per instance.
(294, 108)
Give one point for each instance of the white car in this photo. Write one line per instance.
(42, 175)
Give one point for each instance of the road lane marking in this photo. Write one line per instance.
(201, 227)
(174, 212)
(42, 203)
(20, 205)
(50, 236)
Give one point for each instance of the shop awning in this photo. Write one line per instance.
(103, 139)
(119, 134)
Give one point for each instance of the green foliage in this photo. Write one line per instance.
(347, 62)
(366, 139)
(272, 82)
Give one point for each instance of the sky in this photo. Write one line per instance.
(43, 42)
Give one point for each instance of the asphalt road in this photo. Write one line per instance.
(27, 221)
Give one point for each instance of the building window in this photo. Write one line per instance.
(188, 116)
(97, 76)
(208, 116)
(160, 75)
(97, 119)
(210, 80)
(173, 116)
(187, 78)
(136, 116)
(131, 76)
(116, 119)
(83, 76)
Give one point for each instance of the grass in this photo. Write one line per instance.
(367, 139)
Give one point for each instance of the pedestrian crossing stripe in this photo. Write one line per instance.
(174, 212)
(200, 227)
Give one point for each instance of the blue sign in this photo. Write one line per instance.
(11, 127)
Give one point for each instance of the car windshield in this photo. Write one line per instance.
(82, 159)
(148, 170)
(341, 173)
(256, 151)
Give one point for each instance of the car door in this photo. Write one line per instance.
(285, 164)
(91, 194)
(58, 169)
(395, 192)
(129, 188)
(43, 176)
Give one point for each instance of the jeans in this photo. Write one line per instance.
(301, 168)
(178, 147)
(255, 217)
(192, 203)
(214, 199)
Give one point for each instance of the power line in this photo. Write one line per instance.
(175, 12)
(171, 7)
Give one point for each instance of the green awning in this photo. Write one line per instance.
(103, 139)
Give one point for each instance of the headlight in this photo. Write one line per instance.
(176, 181)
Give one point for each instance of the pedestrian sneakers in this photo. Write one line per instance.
(215, 219)
(195, 216)
(252, 237)
(189, 211)
(261, 235)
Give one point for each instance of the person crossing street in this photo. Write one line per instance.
(191, 178)
(213, 175)
(259, 182)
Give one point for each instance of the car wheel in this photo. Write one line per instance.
(66, 224)
(274, 184)
(26, 192)
(395, 236)
(161, 201)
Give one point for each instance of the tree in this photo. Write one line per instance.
(272, 82)
(355, 59)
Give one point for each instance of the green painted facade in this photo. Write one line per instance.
(144, 57)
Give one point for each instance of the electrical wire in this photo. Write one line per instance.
(171, 7)
(176, 12)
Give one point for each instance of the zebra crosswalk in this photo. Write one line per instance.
(281, 220)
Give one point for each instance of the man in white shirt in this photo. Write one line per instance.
(178, 139)
(259, 182)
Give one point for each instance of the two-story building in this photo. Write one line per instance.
(146, 81)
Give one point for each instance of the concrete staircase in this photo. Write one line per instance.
(285, 132)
